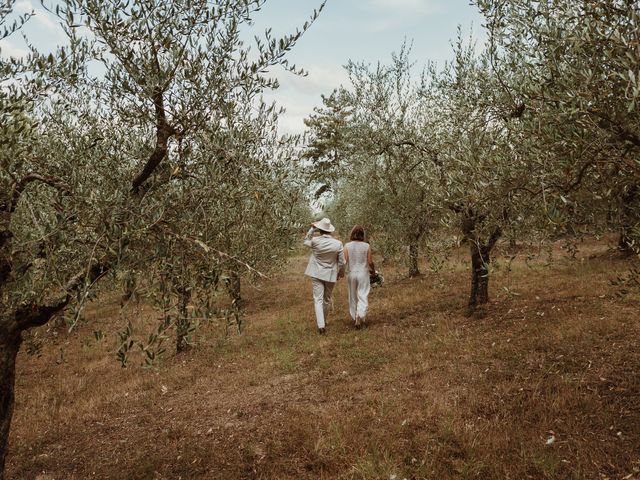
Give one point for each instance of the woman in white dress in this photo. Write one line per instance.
(359, 261)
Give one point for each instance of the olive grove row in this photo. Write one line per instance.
(140, 153)
(535, 135)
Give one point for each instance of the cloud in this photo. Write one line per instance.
(299, 95)
(23, 6)
(40, 30)
(406, 7)
(390, 15)
(320, 78)
(41, 16)
(9, 49)
(384, 25)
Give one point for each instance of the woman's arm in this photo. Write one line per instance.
(343, 258)
(372, 267)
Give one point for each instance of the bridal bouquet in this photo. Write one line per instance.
(376, 279)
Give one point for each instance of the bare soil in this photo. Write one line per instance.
(545, 386)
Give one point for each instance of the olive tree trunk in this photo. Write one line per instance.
(414, 251)
(9, 346)
(629, 218)
(14, 321)
(183, 326)
(233, 284)
(480, 259)
(480, 250)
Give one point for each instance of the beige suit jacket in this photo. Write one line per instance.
(327, 257)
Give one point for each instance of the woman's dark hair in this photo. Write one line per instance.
(357, 233)
(323, 232)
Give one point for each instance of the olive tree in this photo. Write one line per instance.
(574, 67)
(425, 157)
(488, 176)
(92, 152)
(238, 218)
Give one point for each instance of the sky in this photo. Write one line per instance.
(358, 30)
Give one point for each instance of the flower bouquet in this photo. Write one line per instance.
(376, 279)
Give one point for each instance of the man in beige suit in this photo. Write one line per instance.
(326, 266)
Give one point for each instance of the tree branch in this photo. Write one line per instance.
(609, 124)
(209, 249)
(433, 156)
(32, 315)
(164, 131)
(19, 187)
(493, 238)
(578, 179)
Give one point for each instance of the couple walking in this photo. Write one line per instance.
(327, 264)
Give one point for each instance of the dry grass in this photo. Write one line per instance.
(422, 393)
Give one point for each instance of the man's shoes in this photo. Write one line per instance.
(321, 331)
(357, 322)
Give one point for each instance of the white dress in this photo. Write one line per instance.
(358, 278)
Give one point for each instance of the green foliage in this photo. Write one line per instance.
(418, 159)
(572, 65)
(125, 344)
(329, 138)
(535, 136)
(141, 145)
(368, 149)
(163, 161)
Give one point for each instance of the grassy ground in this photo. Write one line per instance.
(545, 386)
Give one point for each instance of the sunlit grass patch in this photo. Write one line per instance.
(378, 464)
(284, 359)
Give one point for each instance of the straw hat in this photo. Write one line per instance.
(324, 224)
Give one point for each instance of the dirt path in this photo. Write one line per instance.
(546, 386)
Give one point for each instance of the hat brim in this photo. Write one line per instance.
(318, 226)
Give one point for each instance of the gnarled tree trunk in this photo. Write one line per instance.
(480, 259)
(10, 340)
(629, 218)
(15, 321)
